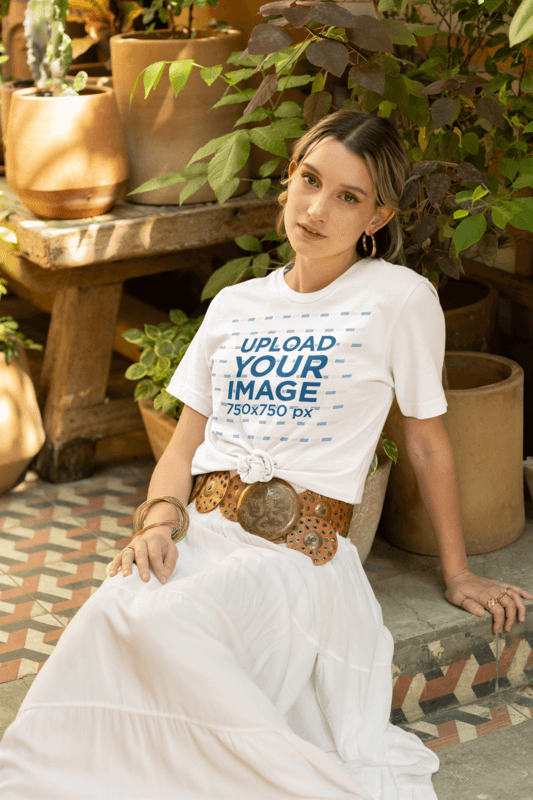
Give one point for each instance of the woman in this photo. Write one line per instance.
(257, 665)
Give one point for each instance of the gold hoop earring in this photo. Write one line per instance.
(365, 246)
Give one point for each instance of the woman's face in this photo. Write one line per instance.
(330, 203)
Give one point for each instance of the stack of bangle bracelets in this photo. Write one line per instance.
(179, 525)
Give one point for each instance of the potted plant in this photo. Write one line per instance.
(21, 428)
(162, 130)
(65, 152)
(453, 115)
(161, 349)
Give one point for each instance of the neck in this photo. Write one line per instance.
(312, 275)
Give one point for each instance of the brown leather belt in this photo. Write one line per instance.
(307, 521)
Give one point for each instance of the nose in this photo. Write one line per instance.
(317, 207)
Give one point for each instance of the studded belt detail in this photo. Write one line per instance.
(307, 521)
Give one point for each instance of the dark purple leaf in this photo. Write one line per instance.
(491, 111)
(267, 88)
(410, 194)
(487, 247)
(280, 22)
(467, 172)
(298, 17)
(440, 86)
(443, 111)
(436, 187)
(316, 107)
(333, 56)
(424, 228)
(369, 76)
(331, 14)
(370, 34)
(472, 83)
(274, 8)
(423, 168)
(266, 39)
(451, 266)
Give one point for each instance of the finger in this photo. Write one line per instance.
(509, 607)
(520, 605)
(128, 557)
(114, 565)
(141, 557)
(498, 614)
(519, 591)
(155, 554)
(472, 606)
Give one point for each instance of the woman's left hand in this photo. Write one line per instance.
(472, 593)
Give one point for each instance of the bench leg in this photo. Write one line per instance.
(74, 375)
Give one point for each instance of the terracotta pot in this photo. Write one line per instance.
(21, 428)
(14, 42)
(65, 156)
(484, 422)
(363, 526)
(163, 132)
(367, 514)
(470, 307)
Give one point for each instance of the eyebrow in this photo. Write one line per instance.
(344, 186)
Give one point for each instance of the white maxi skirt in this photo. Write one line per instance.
(251, 674)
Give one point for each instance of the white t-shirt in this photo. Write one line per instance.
(307, 379)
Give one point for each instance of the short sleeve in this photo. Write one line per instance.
(191, 382)
(416, 354)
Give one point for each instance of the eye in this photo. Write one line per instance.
(310, 179)
(349, 198)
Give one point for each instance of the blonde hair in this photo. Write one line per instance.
(378, 143)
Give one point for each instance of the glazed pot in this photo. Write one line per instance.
(66, 156)
(365, 519)
(163, 131)
(470, 307)
(21, 428)
(484, 422)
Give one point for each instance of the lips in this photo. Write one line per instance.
(310, 232)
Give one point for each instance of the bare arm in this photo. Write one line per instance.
(171, 476)
(431, 456)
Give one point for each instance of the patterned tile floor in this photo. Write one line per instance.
(55, 542)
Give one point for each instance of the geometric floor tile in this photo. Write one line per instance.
(27, 644)
(457, 725)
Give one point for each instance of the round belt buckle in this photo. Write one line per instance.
(314, 537)
(269, 509)
(212, 492)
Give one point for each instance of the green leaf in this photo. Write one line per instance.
(373, 466)
(423, 30)
(470, 143)
(145, 389)
(260, 265)
(293, 81)
(227, 190)
(250, 243)
(163, 348)
(260, 188)
(168, 179)
(523, 181)
(243, 96)
(147, 357)
(268, 167)
(135, 372)
(526, 84)
(523, 219)
(227, 275)
(227, 162)
(210, 148)
(179, 72)
(177, 316)
(237, 76)
(192, 186)
(266, 139)
(79, 81)
(522, 23)
(152, 76)
(390, 449)
(528, 128)
(479, 192)
(288, 109)
(398, 32)
(508, 167)
(210, 74)
(468, 232)
(498, 218)
(461, 212)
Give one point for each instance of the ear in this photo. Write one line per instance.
(292, 168)
(380, 219)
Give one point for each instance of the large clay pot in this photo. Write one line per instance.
(470, 308)
(163, 131)
(365, 519)
(484, 422)
(65, 156)
(21, 428)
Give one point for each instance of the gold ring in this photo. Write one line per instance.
(491, 602)
(129, 548)
(462, 601)
(503, 594)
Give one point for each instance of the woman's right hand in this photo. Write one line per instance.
(154, 549)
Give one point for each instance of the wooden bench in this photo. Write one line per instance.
(80, 265)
